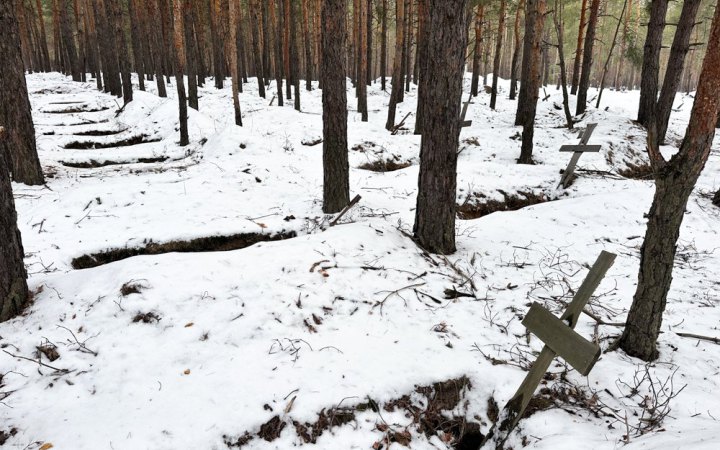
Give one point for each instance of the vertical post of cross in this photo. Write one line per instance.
(577, 150)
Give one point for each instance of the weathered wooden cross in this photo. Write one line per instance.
(463, 122)
(578, 150)
(559, 339)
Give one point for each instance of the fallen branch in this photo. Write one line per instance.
(701, 337)
(38, 362)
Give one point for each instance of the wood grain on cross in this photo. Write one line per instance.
(560, 340)
(578, 150)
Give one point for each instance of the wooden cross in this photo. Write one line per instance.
(578, 150)
(559, 339)
(465, 123)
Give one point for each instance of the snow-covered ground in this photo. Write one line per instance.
(193, 350)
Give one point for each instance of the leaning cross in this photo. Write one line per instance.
(578, 150)
(559, 339)
(465, 123)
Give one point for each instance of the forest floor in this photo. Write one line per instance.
(348, 336)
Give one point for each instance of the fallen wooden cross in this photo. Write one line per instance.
(577, 151)
(560, 340)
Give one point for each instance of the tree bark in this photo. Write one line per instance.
(579, 49)
(234, 11)
(650, 75)
(336, 171)
(421, 55)
(18, 147)
(434, 226)
(397, 78)
(13, 285)
(217, 45)
(532, 76)
(587, 58)
(257, 55)
(278, 49)
(122, 50)
(362, 69)
(383, 46)
(674, 182)
(514, 65)
(498, 54)
(308, 49)
(559, 29)
(157, 45)
(191, 57)
(294, 54)
(177, 53)
(68, 43)
(675, 67)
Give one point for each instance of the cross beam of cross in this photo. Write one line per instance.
(560, 340)
(578, 150)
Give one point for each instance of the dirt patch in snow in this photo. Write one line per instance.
(641, 171)
(475, 206)
(203, 244)
(92, 164)
(431, 413)
(133, 140)
(76, 110)
(385, 165)
(98, 133)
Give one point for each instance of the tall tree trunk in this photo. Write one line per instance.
(82, 50)
(407, 51)
(157, 45)
(362, 70)
(18, 146)
(498, 54)
(43, 37)
(135, 36)
(295, 54)
(13, 285)
(191, 57)
(69, 43)
(675, 66)
(336, 171)
(257, 55)
(383, 46)
(397, 78)
(308, 49)
(234, 21)
(121, 48)
(287, 18)
(369, 31)
(587, 58)
(527, 103)
(579, 49)
(434, 226)
(421, 55)
(530, 69)
(177, 53)
(650, 75)
(674, 182)
(267, 48)
(514, 66)
(477, 53)
(217, 44)
(278, 48)
(559, 29)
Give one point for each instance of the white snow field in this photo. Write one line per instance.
(194, 350)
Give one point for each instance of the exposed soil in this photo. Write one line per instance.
(475, 207)
(204, 244)
(431, 416)
(385, 165)
(77, 110)
(94, 164)
(133, 140)
(637, 171)
(98, 133)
